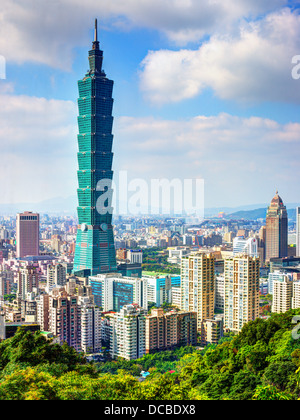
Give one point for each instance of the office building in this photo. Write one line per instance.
(276, 229)
(135, 256)
(128, 332)
(241, 291)
(160, 288)
(130, 269)
(287, 264)
(112, 291)
(247, 246)
(95, 250)
(176, 253)
(198, 286)
(27, 234)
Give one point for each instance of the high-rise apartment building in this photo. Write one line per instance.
(296, 295)
(298, 231)
(276, 229)
(282, 293)
(214, 330)
(161, 330)
(165, 331)
(90, 326)
(42, 311)
(128, 332)
(6, 282)
(56, 276)
(28, 281)
(241, 291)
(27, 234)
(219, 292)
(64, 318)
(95, 250)
(176, 296)
(198, 287)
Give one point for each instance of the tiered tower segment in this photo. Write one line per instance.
(95, 250)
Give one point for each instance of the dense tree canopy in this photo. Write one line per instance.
(261, 363)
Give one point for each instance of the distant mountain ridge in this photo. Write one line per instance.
(68, 206)
(257, 214)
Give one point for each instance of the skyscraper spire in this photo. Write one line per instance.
(95, 54)
(96, 42)
(96, 32)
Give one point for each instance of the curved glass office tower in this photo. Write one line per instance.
(95, 250)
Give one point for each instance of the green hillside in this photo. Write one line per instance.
(261, 363)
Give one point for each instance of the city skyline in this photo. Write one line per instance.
(182, 109)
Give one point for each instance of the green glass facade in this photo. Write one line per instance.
(95, 250)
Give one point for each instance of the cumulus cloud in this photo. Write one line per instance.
(47, 32)
(233, 155)
(38, 148)
(253, 65)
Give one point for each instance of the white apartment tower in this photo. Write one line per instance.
(90, 324)
(282, 293)
(56, 276)
(128, 332)
(296, 295)
(241, 291)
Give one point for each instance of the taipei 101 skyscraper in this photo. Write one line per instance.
(95, 250)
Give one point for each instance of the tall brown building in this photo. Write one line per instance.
(276, 229)
(198, 287)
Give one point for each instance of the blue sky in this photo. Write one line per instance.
(203, 89)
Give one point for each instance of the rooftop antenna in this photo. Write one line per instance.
(96, 31)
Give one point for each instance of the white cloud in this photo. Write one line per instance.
(253, 65)
(233, 155)
(47, 31)
(38, 148)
